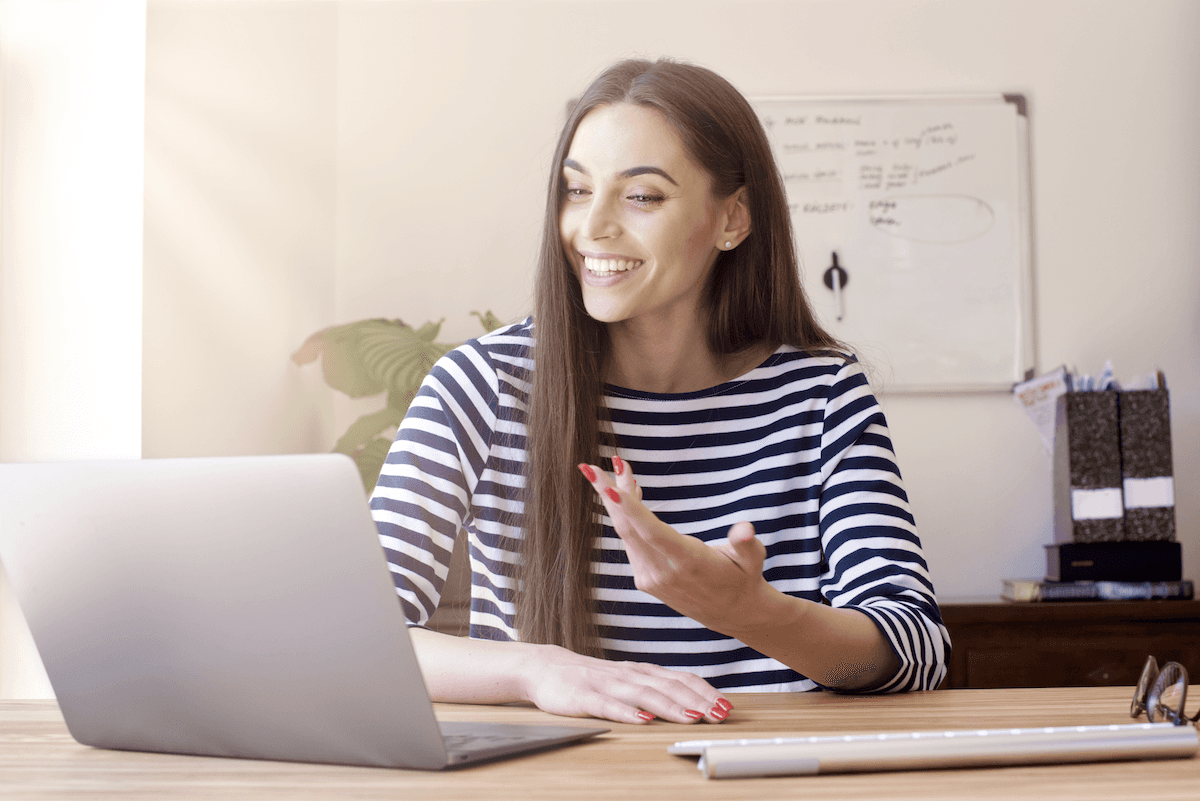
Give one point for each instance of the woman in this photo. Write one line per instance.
(740, 523)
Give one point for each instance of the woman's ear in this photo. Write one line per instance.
(736, 211)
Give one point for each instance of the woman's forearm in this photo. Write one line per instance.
(465, 671)
(841, 649)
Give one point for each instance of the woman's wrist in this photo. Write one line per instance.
(766, 617)
(462, 670)
(837, 648)
(531, 662)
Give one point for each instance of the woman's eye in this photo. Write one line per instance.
(643, 199)
(576, 193)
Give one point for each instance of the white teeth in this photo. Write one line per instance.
(609, 266)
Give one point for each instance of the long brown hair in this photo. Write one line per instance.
(754, 296)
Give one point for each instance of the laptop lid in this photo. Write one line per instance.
(236, 607)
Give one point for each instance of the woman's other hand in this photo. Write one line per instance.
(465, 671)
(565, 683)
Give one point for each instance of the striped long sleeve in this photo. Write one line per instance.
(798, 447)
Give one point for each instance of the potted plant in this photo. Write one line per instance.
(370, 357)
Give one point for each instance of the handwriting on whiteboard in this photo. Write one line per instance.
(923, 203)
(844, 163)
(832, 149)
(943, 219)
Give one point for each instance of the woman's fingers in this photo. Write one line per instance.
(630, 516)
(745, 549)
(687, 698)
(626, 481)
(625, 692)
(622, 474)
(650, 708)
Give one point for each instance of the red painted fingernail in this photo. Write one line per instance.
(588, 472)
(646, 716)
(618, 465)
(718, 713)
(613, 495)
(724, 704)
(693, 714)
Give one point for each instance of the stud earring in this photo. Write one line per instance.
(728, 245)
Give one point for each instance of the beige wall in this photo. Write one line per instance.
(239, 239)
(445, 116)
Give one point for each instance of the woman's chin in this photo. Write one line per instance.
(604, 307)
(603, 313)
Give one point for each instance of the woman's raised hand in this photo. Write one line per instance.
(719, 585)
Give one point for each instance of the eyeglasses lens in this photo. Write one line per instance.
(1149, 673)
(1168, 695)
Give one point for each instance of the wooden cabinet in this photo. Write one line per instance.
(1066, 644)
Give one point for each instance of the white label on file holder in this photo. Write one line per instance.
(1149, 493)
(1097, 504)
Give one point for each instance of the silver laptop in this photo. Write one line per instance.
(233, 607)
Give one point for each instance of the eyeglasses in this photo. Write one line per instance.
(1161, 693)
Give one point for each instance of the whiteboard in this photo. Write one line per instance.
(925, 202)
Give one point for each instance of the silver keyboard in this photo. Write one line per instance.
(696, 747)
(915, 750)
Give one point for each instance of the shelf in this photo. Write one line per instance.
(1000, 643)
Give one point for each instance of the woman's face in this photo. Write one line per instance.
(639, 223)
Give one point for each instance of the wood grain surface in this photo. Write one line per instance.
(40, 760)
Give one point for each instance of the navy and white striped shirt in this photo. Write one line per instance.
(798, 447)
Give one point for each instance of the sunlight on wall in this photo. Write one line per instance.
(72, 78)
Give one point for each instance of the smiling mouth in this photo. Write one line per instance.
(603, 267)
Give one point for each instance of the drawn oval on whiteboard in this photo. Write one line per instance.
(939, 219)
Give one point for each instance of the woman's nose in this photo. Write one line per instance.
(601, 221)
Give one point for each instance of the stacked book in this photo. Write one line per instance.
(1114, 502)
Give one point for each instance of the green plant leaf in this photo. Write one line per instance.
(399, 399)
(430, 330)
(366, 428)
(372, 356)
(370, 459)
(340, 349)
(401, 357)
(489, 321)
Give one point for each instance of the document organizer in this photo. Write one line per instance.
(1113, 474)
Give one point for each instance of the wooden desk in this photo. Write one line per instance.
(38, 758)
(1063, 643)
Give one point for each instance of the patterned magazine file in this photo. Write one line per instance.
(1089, 504)
(1148, 483)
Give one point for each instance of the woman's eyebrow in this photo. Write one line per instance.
(572, 164)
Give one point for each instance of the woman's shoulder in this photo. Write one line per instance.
(513, 333)
(831, 375)
(794, 359)
(507, 350)
(514, 339)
